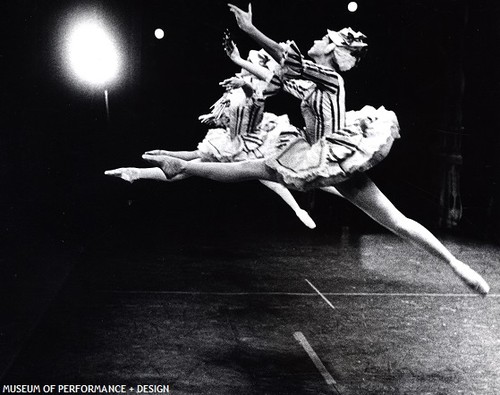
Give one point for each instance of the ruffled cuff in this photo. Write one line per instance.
(292, 62)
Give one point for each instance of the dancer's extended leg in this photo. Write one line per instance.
(363, 193)
(331, 190)
(360, 190)
(287, 196)
(185, 155)
(131, 174)
(224, 172)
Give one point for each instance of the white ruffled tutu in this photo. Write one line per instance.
(219, 146)
(365, 141)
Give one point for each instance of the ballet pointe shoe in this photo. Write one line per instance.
(471, 278)
(126, 174)
(170, 166)
(303, 215)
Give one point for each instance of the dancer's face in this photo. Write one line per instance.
(321, 47)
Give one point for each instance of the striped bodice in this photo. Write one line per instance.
(244, 113)
(323, 112)
(320, 89)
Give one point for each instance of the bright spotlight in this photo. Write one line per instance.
(92, 54)
(352, 6)
(159, 34)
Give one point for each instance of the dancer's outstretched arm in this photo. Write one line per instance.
(235, 83)
(244, 20)
(234, 54)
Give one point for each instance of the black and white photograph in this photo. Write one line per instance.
(265, 197)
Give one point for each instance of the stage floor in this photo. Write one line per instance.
(326, 314)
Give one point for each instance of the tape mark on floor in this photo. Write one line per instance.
(320, 294)
(299, 336)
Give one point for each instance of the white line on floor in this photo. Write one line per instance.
(299, 336)
(195, 293)
(320, 294)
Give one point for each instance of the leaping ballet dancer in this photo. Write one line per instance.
(243, 131)
(334, 151)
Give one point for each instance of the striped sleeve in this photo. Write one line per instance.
(295, 87)
(292, 62)
(296, 67)
(274, 86)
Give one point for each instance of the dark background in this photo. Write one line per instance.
(56, 141)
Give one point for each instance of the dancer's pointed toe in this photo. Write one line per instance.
(472, 279)
(306, 219)
(125, 173)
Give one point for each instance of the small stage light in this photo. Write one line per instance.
(159, 34)
(352, 6)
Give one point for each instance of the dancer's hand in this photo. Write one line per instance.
(232, 83)
(205, 118)
(156, 152)
(243, 19)
(230, 48)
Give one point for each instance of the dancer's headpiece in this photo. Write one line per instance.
(349, 47)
